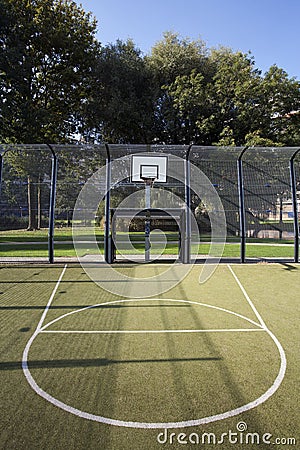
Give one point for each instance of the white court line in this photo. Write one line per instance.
(156, 425)
(38, 328)
(262, 323)
(150, 331)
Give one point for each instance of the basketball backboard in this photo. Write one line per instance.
(154, 167)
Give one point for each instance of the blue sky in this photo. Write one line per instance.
(270, 29)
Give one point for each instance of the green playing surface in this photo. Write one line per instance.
(196, 352)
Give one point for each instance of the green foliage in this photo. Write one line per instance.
(48, 48)
(175, 56)
(281, 106)
(57, 82)
(219, 96)
(191, 101)
(120, 109)
(254, 139)
(178, 65)
(226, 137)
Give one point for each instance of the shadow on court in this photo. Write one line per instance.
(101, 362)
(73, 307)
(231, 385)
(288, 267)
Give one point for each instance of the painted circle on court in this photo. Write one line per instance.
(156, 425)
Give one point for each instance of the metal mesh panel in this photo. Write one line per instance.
(267, 193)
(76, 164)
(25, 190)
(25, 196)
(23, 166)
(219, 164)
(268, 201)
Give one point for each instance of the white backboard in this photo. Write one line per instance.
(149, 167)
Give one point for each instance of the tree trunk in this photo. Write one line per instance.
(32, 204)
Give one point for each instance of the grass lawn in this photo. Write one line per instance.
(15, 243)
(60, 234)
(230, 250)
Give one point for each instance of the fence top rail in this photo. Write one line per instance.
(191, 152)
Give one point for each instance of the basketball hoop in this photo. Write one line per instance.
(149, 181)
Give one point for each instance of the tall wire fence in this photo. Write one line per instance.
(259, 189)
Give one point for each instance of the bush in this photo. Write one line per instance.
(12, 222)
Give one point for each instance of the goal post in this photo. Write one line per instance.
(153, 184)
(174, 217)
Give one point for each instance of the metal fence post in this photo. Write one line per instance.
(1, 169)
(186, 257)
(52, 205)
(107, 235)
(242, 204)
(295, 206)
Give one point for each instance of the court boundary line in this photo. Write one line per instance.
(42, 319)
(258, 316)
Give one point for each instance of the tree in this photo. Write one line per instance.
(280, 106)
(121, 110)
(175, 56)
(194, 106)
(48, 49)
(236, 94)
(235, 105)
(170, 59)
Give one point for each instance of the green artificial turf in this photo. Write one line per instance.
(147, 377)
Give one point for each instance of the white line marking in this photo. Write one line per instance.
(150, 331)
(156, 425)
(262, 323)
(38, 328)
